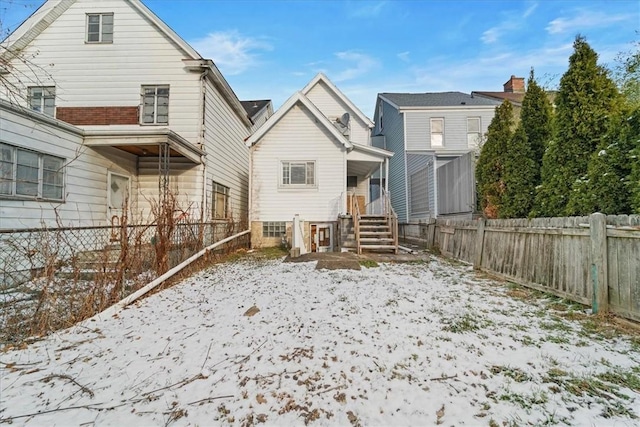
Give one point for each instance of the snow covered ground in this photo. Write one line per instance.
(399, 344)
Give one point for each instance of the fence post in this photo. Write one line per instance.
(477, 261)
(599, 273)
(431, 233)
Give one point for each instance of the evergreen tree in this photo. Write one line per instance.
(490, 166)
(586, 99)
(608, 188)
(519, 176)
(536, 118)
(634, 160)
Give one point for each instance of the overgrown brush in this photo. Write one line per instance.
(54, 278)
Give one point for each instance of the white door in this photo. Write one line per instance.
(118, 190)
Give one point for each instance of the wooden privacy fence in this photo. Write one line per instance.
(594, 260)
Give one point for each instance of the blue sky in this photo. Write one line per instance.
(270, 49)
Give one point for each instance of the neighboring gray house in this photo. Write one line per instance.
(434, 137)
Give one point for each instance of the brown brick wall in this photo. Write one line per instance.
(98, 115)
(515, 84)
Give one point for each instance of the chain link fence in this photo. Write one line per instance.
(52, 278)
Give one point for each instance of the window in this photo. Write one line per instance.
(30, 174)
(380, 116)
(437, 132)
(43, 99)
(274, 229)
(155, 105)
(299, 174)
(220, 201)
(473, 131)
(352, 181)
(100, 28)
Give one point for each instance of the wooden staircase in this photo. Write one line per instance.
(376, 235)
(375, 232)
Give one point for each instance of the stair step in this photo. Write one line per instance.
(374, 240)
(385, 247)
(373, 226)
(376, 217)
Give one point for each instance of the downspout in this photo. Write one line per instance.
(201, 131)
(435, 188)
(250, 207)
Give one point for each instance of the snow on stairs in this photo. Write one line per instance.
(376, 235)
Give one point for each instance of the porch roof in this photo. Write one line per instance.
(363, 160)
(144, 143)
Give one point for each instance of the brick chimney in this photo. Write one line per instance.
(515, 84)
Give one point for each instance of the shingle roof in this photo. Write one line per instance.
(253, 107)
(436, 99)
(516, 97)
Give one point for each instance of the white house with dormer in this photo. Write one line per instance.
(148, 115)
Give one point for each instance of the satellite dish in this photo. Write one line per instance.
(344, 119)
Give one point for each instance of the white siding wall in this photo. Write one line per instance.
(85, 175)
(332, 106)
(227, 155)
(418, 135)
(89, 74)
(297, 137)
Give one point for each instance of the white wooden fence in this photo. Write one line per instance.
(594, 260)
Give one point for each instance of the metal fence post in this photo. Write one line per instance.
(599, 273)
(477, 260)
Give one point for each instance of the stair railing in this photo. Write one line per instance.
(355, 214)
(392, 218)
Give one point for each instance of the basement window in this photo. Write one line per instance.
(274, 229)
(100, 28)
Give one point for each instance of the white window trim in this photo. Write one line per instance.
(14, 178)
(226, 192)
(52, 94)
(478, 134)
(431, 133)
(284, 186)
(101, 32)
(155, 106)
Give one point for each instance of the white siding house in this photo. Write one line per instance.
(304, 164)
(143, 98)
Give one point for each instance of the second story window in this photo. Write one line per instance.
(100, 28)
(155, 105)
(43, 99)
(437, 132)
(473, 132)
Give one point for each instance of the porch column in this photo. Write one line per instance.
(380, 182)
(386, 175)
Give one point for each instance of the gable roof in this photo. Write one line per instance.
(296, 98)
(436, 99)
(320, 77)
(51, 10)
(253, 108)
